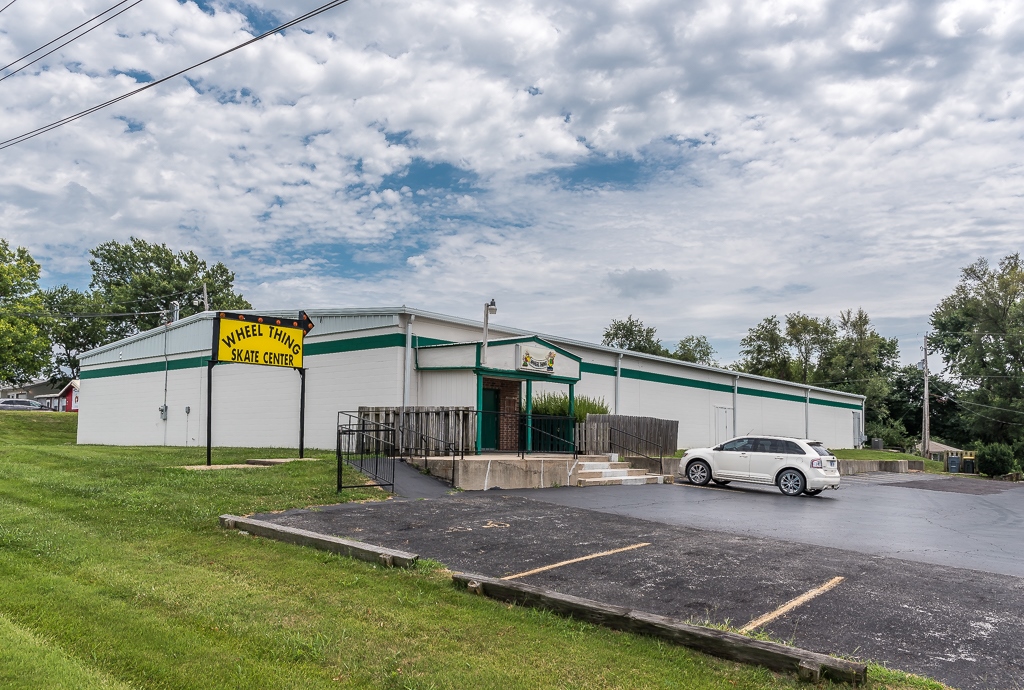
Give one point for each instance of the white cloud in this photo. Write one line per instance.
(862, 152)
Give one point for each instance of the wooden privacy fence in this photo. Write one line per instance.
(428, 430)
(616, 433)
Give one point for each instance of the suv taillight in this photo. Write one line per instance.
(816, 463)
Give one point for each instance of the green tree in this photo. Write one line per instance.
(811, 339)
(979, 331)
(24, 348)
(859, 360)
(996, 459)
(137, 276)
(631, 334)
(70, 331)
(697, 349)
(764, 351)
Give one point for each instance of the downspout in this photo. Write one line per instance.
(618, 382)
(407, 377)
(863, 421)
(735, 405)
(163, 410)
(807, 413)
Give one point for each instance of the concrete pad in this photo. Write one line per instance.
(219, 467)
(269, 462)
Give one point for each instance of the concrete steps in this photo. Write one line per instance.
(599, 470)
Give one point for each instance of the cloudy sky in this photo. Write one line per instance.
(700, 165)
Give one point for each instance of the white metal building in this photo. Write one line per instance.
(399, 356)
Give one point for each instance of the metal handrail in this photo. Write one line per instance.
(661, 448)
(401, 432)
(378, 446)
(573, 444)
(521, 418)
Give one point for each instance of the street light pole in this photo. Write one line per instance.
(489, 308)
(925, 412)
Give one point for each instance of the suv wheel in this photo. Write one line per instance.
(791, 483)
(698, 472)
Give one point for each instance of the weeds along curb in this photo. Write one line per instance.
(726, 645)
(301, 537)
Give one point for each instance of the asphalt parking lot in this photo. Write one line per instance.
(961, 626)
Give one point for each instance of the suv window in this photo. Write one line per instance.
(794, 449)
(740, 444)
(821, 450)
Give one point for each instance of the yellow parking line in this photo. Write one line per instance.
(576, 560)
(790, 605)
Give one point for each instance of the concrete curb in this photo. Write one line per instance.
(301, 537)
(807, 665)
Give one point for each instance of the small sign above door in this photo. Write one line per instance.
(535, 359)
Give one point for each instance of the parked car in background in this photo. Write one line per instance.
(23, 405)
(795, 465)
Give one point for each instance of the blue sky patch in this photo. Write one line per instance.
(132, 125)
(424, 175)
(260, 20)
(141, 76)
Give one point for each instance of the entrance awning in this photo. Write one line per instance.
(527, 359)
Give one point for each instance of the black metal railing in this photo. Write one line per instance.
(368, 447)
(627, 444)
(527, 433)
(388, 442)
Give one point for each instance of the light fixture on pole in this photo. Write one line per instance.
(489, 308)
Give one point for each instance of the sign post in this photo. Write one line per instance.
(269, 341)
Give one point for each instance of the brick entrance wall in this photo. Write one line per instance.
(508, 404)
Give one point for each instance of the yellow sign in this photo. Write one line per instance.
(264, 340)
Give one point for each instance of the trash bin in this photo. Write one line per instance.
(968, 466)
(953, 463)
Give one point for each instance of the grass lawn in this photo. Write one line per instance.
(115, 574)
(932, 466)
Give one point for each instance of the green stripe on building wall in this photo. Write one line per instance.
(376, 342)
(605, 370)
(372, 342)
(146, 368)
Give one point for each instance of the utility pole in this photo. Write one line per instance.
(206, 299)
(925, 421)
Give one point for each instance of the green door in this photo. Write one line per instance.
(489, 431)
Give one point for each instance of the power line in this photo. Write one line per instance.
(71, 118)
(983, 416)
(8, 5)
(27, 55)
(948, 396)
(72, 314)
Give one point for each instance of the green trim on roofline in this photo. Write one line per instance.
(146, 368)
(835, 403)
(375, 342)
(605, 370)
(370, 342)
(534, 339)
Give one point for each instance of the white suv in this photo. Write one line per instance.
(797, 466)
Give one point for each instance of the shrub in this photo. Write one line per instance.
(995, 459)
(558, 404)
(892, 433)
